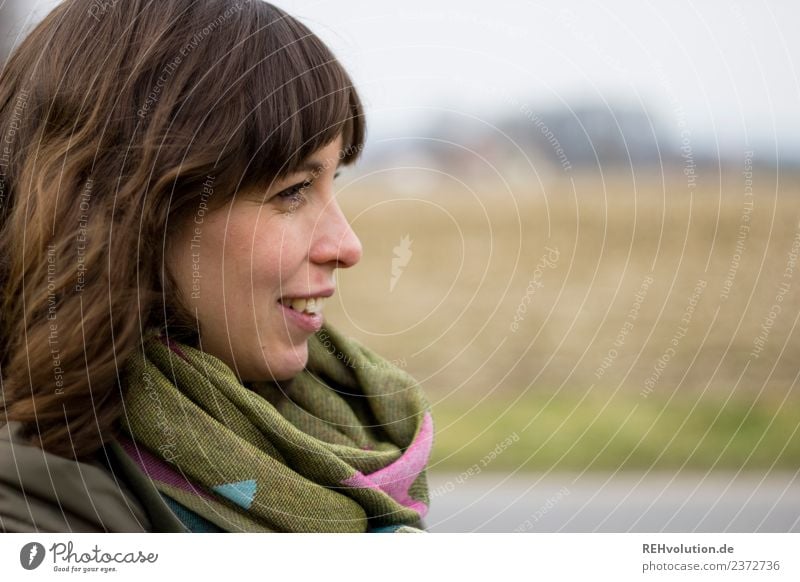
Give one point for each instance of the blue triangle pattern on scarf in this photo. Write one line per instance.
(240, 492)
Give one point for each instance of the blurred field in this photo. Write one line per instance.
(477, 249)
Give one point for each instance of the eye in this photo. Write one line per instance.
(294, 196)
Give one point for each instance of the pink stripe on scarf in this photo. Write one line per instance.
(396, 479)
(159, 469)
(173, 346)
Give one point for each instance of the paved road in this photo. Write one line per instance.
(622, 502)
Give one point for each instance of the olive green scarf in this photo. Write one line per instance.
(343, 448)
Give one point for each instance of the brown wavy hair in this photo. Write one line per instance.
(118, 119)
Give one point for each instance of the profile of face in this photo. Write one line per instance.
(244, 269)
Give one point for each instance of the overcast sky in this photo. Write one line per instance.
(728, 68)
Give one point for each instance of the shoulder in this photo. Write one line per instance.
(42, 492)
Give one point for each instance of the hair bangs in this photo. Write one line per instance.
(299, 99)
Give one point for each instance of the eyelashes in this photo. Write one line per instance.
(295, 192)
(296, 195)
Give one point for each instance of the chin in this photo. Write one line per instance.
(290, 365)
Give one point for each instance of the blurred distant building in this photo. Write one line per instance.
(545, 140)
(589, 135)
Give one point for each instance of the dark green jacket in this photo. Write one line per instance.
(42, 492)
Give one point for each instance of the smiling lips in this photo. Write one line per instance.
(305, 313)
(311, 306)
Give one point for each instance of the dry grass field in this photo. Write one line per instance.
(608, 322)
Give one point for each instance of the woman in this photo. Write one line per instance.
(170, 233)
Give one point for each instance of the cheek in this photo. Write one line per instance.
(281, 247)
(249, 256)
(183, 260)
(276, 253)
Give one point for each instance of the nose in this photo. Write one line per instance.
(335, 242)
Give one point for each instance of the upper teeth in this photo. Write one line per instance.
(313, 305)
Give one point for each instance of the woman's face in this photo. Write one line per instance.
(243, 268)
